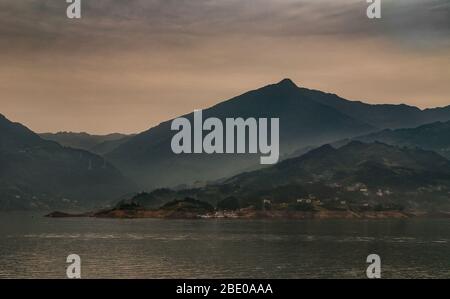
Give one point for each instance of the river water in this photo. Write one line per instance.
(32, 246)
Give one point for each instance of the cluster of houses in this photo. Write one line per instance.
(337, 201)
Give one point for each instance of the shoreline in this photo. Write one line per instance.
(252, 215)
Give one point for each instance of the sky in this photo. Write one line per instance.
(127, 65)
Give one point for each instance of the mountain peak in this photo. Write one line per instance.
(287, 83)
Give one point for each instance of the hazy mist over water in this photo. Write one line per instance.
(32, 246)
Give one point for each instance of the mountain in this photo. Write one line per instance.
(381, 116)
(36, 173)
(308, 119)
(434, 136)
(373, 175)
(109, 145)
(149, 160)
(98, 144)
(352, 163)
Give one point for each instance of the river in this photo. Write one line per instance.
(32, 246)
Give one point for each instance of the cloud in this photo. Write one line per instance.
(128, 64)
(175, 21)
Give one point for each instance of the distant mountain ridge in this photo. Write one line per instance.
(381, 116)
(40, 174)
(308, 119)
(434, 136)
(98, 144)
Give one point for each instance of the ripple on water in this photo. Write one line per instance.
(231, 249)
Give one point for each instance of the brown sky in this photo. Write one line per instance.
(128, 65)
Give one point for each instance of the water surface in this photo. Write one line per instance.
(32, 246)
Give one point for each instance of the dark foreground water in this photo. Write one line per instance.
(35, 247)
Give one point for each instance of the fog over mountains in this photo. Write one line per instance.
(99, 144)
(308, 118)
(434, 136)
(40, 173)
